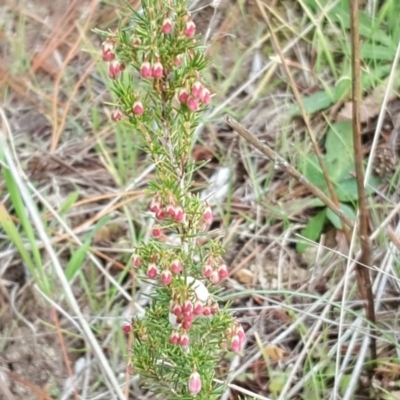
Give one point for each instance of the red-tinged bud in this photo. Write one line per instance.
(242, 335)
(214, 308)
(184, 339)
(136, 42)
(176, 267)
(152, 271)
(197, 90)
(156, 232)
(186, 324)
(170, 210)
(235, 344)
(183, 96)
(174, 338)
(126, 327)
(206, 96)
(157, 70)
(190, 29)
(177, 310)
(179, 215)
(160, 215)
(224, 345)
(197, 308)
(166, 277)
(137, 108)
(208, 216)
(166, 26)
(116, 115)
(206, 311)
(187, 306)
(145, 70)
(223, 271)
(214, 277)
(155, 204)
(107, 50)
(194, 383)
(207, 270)
(114, 69)
(136, 261)
(192, 103)
(178, 60)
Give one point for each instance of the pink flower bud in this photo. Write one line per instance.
(107, 50)
(186, 324)
(136, 261)
(136, 42)
(137, 108)
(184, 339)
(208, 216)
(170, 210)
(156, 232)
(187, 306)
(145, 70)
(178, 60)
(183, 96)
(214, 308)
(206, 96)
(190, 29)
(194, 383)
(155, 204)
(157, 70)
(160, 215)
(197, 308)
(126, 327)
(114, 69)
(116, 115)
(223, 271)
(206, 311)
(177, 310)
(179, 215)
(197, 90)
(166, 277)
(242, 335)
(192, 103)
(214, 277)
(174, 338)
(235, 344)
(207, 270)
(166, 26)
(152, 271)
(176, 267)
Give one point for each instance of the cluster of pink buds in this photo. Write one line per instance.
(215, 269)
(148, 70)
(107, 54)
(193, 98)
(179, 337)
(171, 210)
(236, 336)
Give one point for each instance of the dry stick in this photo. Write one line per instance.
(286, 167)
(299, 101)
(365, 242)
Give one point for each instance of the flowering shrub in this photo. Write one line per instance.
(156, 65)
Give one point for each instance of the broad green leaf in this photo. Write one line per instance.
(335, 220)
(339, 143)
(346, 190)
(312, 230)
(316, 102)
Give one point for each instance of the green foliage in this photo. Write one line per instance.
(339, 161)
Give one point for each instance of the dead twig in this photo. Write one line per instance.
(286, 167)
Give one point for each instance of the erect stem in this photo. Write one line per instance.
(364, 279)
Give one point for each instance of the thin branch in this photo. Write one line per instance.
(286, 167)
(365, 258)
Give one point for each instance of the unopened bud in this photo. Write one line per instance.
(166, 277)
(116, 115)
(176, 267)
(192, 103)
(190, 29)
(167, 26)
(152, 271)
(157, 70)
(137, 108)
(145, 70)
